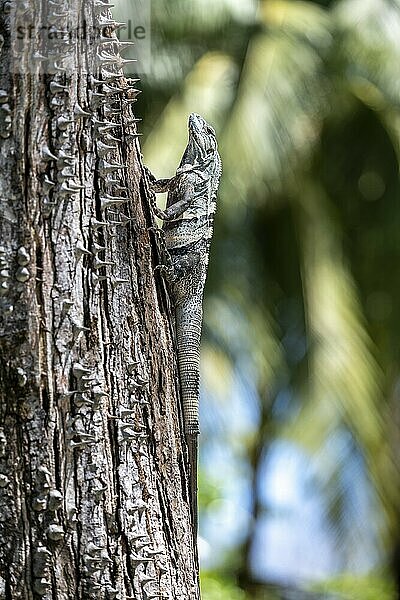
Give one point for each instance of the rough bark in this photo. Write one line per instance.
(93, 473)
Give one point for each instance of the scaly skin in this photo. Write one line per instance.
(188, 228)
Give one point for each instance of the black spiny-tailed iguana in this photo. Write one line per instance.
(188, 228)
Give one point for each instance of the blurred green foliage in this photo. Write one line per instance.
(304, 277)
(215, 587)
(353, 588)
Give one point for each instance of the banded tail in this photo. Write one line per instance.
(189, 317)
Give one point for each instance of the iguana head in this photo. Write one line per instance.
(202, 144)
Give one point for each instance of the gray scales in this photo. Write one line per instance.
(187, 232)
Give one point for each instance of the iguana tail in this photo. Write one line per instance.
(188, 332)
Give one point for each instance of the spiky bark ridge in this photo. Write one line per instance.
(93, 488)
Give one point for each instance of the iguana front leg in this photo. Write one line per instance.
(160, 186)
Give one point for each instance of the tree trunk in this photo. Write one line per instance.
(93, 467)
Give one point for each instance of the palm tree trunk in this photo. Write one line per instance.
(93, 481)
